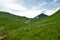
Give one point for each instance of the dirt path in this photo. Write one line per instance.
(2, 37)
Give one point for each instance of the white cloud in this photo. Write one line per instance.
(34, 11)
(29, 13)
(54, 1)
(39, 6)
(51, 12)
(11, 4)
(15, 6)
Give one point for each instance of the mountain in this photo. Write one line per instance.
(53, 17)
(41, 16)
(22, 28)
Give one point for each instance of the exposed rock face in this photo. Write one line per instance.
(41, 16)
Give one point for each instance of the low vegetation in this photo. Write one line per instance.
(13, 27)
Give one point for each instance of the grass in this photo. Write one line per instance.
(21, 28)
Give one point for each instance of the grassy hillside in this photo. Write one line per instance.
(54, 17)
(19, 28)
(49, 28)
(9, 21)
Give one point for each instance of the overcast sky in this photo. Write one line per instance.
(30, 8)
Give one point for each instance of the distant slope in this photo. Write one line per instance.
(9, 16)
(54, 17)
(41, 16)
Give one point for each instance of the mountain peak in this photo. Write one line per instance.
(42, 15)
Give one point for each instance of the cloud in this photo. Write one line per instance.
(31, 13)
(39, 6)
(19, 9)
(11, 4)
(54, 1)
(15, 6)
(51, 12)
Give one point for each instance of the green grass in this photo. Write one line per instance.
(21, 28)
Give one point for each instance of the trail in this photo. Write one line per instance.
(2, 37)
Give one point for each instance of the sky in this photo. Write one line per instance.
(30, 8)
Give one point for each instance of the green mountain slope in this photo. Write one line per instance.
(54, 17)
(21, 28)
(49, 28)
(9, 21)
